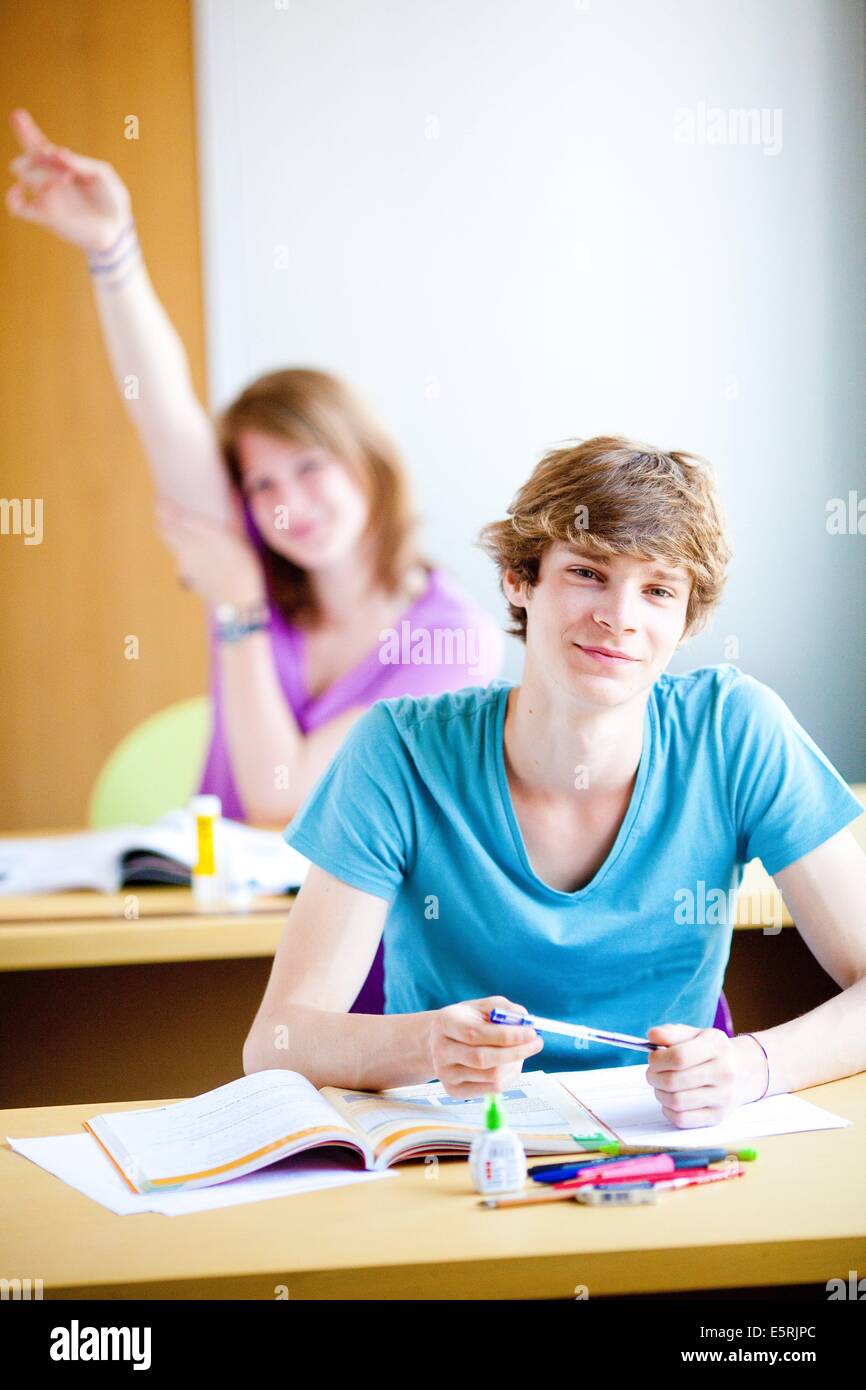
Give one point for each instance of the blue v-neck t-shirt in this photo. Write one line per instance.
(416, 808)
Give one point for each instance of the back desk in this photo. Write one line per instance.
(100, 1003)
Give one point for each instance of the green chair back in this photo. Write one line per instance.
(155, 768)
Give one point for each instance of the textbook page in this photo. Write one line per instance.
(258, 857)
(222, 1134)
(48, 863)
(92, 858)
(543, 1113)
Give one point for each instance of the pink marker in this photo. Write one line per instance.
(625, 1170)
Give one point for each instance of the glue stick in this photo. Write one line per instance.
(207, 883)
(497, 1161)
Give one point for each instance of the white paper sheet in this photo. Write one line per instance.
(622, 1098)
(78, 1160)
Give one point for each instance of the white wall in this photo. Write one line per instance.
(495, 230)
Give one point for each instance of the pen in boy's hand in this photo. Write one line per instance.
(574, 1030)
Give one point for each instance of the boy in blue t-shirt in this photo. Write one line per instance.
(575, 842)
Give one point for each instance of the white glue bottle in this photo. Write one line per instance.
(497, 1161)
(207, 871)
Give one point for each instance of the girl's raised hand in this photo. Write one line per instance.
(80, 200)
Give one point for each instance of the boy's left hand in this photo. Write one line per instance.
(700, 1075)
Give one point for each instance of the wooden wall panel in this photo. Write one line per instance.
(67, 692)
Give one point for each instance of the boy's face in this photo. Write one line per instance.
(584, 601)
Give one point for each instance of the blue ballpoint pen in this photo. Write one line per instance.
(563, 1171)
(691, 1158)
(573, 1030)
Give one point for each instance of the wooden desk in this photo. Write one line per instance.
(786, 1222)
(64, 931)
(71, 930)
(100, 1005)
(95, 1002)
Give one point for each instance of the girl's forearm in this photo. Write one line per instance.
(139, 335)
(827, 1043)
(151, 372)
(265, 741)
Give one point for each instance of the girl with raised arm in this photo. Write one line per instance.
(292, 520)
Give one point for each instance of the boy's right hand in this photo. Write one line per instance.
(472, 1056)
(81, 200)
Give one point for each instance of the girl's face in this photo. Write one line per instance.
(305, 502)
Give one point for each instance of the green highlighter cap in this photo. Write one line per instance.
(744, 1155)
(494, 1115)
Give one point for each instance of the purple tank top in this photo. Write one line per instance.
(444, 640)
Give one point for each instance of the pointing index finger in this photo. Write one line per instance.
(31, 138)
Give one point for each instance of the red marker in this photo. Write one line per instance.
(707, 1175)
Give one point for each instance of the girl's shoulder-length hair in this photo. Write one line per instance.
(308, 407)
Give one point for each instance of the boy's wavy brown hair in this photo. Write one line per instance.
(616, 496)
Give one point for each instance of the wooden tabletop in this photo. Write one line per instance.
(69, 930)
(798, 1216)
(64, 930)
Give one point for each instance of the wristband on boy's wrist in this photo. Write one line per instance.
(766, 1059)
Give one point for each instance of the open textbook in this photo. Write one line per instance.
(619, 1097)
(262, 1118)
(164, 852)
